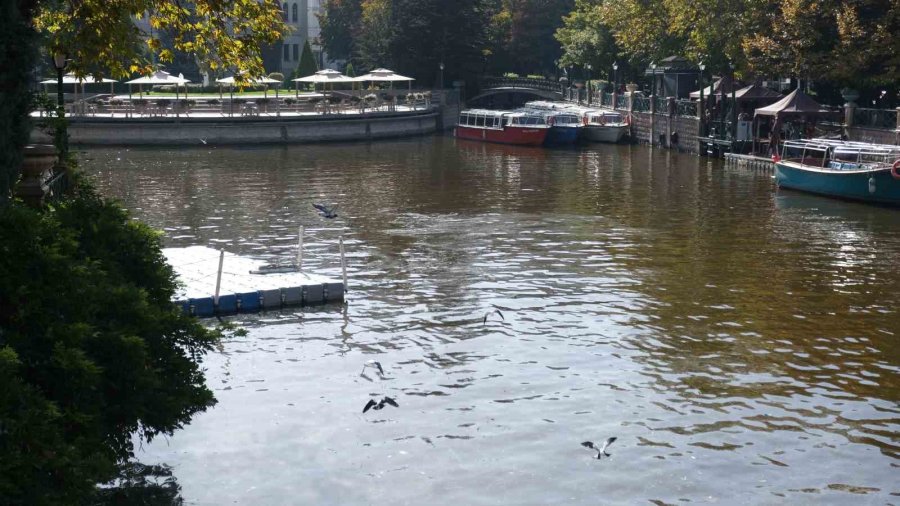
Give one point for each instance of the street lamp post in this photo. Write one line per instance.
(653, 71)
(441, 66)
(700, 112)
(62, 137)
(615, 76)
(588, 67)
(59, 61)
(733, 107)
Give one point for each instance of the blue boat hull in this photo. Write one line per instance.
(853, 185)
(558, 136)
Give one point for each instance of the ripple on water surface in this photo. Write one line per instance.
(739, 341)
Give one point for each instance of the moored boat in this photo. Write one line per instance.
(604, 126)
(565, 127)
(850, 170)
(505, 127)
(565, 122)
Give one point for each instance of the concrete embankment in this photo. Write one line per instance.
(253, 130)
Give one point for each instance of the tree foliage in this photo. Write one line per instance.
(373, 46)
(523, 31)
(846, 41)
(585, 40)
(16, 60)
(99, 36)
(91, 348)
(307, 65)
(339, 22)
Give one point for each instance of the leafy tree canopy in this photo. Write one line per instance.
(100, 36)
(339, 21)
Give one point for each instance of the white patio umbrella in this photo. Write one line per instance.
(325, 76)
(266, 80)
(158, 77)
(252, 80)
(385, 75)
(71, 79)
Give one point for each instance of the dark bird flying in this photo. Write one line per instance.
(325, 211)
(380, 404)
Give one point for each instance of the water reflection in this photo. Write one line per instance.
(739, 341)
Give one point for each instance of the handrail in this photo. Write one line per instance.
(522, 82)
(876, 118)
(687, 108)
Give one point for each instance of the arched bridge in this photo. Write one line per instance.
(532, 88)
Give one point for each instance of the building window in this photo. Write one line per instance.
(287, 52)
(294, 12)
(296, 52)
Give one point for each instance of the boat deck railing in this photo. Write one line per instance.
(839, 155)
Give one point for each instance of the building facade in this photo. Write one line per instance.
(302, 17)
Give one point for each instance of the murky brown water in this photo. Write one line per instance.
(742, 343)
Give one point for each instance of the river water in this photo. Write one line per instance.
(740, 342)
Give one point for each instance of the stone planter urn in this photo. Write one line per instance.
(631, 87)
(37, 168)
(850, 95)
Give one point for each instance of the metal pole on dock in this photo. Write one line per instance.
(343, 262)
(300, 249)
(219, 277)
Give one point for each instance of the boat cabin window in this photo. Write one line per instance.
(479, 121)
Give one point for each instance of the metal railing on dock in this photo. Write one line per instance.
(734, 160)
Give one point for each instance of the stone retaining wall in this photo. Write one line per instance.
(657, 130)
(195, 131)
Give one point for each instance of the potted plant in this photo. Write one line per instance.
(263, 104)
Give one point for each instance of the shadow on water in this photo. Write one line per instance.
(140, 485)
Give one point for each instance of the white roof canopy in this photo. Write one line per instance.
(159, 77)
(326, 76)
(248, 80)
(383, 75)
(71, 79)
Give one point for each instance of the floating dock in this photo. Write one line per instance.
(749, 162)
(205, 292)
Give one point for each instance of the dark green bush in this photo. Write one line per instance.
(91, 348)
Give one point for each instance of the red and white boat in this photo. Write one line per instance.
(505, 127)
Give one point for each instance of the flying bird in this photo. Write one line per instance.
(489, 313)
(325, 211)
(602, 450)
(373, 363)
(380, 404)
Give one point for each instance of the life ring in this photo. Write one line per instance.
(895, 169)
